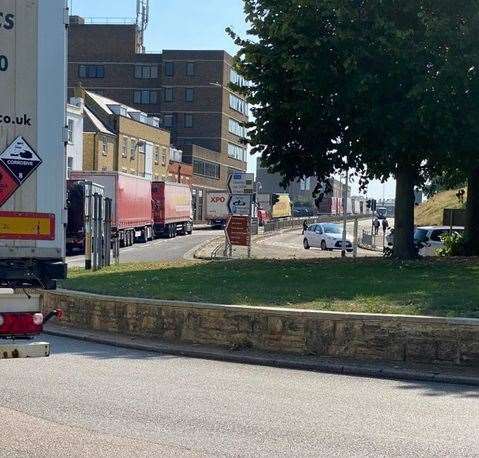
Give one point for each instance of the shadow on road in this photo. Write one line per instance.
(441, 389)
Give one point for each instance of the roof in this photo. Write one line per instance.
(96, 123)
(105, 103)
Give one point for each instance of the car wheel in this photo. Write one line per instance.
(306, 244)
(324, 247)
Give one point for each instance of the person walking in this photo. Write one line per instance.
(385, 225)
(305, 226)
(376, 225)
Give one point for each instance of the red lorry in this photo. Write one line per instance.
(131, 204)
(171, 209)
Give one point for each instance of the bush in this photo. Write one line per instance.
(454, 245)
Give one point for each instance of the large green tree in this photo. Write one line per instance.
(373, 85)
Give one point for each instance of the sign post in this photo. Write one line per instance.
(240, 205)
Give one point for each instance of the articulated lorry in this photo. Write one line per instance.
(33, 37)
(171, 209)
(131, 219)
(217, 212)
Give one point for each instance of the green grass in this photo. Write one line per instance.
(441, 287)
(430, 213)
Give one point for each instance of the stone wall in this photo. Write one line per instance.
(344, 335)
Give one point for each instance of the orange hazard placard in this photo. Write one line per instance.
(27, 226)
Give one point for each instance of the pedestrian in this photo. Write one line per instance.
(376, 225)
(305, 226)
(385, 225)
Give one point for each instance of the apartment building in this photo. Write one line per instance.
(187, 90)
(74, 147)
(121, 138)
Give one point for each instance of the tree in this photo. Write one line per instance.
(365, 84)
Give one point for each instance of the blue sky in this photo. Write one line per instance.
(188, 24)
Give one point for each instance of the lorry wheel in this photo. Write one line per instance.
(183, 230)
(121, 236)
(144, 235)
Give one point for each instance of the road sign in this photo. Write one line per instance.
(20, 159)
(241, 183)
(238, 230)
(240, 204)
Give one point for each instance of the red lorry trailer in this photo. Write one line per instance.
(171, 209)
(131, 204)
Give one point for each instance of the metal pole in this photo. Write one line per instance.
(107, 231)
(355, 242)
(88, 227)
(345, 213)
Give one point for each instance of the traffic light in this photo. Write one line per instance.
(374, 205)
(274, 199)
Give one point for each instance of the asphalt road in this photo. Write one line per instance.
(96, 400)
(158, 250)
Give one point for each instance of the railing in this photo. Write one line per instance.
(110, 20)
(290, 223)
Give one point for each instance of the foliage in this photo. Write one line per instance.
(454, 245)
(425, 287)
(453, 179)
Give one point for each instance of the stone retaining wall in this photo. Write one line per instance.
(344, 335)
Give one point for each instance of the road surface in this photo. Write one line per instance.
(96, 400)
(158, 250)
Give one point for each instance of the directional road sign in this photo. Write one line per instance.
(238, 230)
(240, 204)
(241, 183)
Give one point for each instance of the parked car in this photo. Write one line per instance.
(325, 236)
(429, 238)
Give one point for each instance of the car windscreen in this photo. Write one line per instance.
(332, 229)
(420, 235)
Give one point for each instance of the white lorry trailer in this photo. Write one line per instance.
(33, 37)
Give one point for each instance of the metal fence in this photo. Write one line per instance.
(291, 223)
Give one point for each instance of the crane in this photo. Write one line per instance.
(142, 19)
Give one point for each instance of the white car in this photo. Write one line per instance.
(430, 238)
(325, 236)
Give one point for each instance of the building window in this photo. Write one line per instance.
(169, 68)
(237, 79)
(91, 71)
(69, 164)
(104, 147)
(141, 146)
(236, 152)
(190, 69)
(132, 149)
(189, 94)
(70, 131)
(146, 71)
(188, 120)
(206, 169)
(168, 120)
(238, 104)
(169, 94)
(157, 154)
(236, 128)
(146, 97)
(124, 147)
(305, 184)
(163, 156)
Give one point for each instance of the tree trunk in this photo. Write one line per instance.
(404, 215)
(472, 214)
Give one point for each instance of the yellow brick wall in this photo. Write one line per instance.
(88, 151)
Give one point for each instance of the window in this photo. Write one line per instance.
(188, 120)
(305, 184)
(169, 94)
(190, 69)
(238, 104)
(91, 71)
(206, 169)
(163, 156)
(104, 147)
(141, 146)
(236, 128)
(157, 154)
(146, 71)
(69, 164)
(132, 149)
(237, 79)
(236, 152)
(70, 131)
(189, 94)
(146, 97)
(124, 147)
(169, 68)
(168, 120)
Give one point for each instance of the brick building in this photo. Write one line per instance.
(187, 90)
(120, 138)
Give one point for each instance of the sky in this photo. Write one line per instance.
(191, 24)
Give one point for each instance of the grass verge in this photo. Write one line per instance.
(440, 287)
